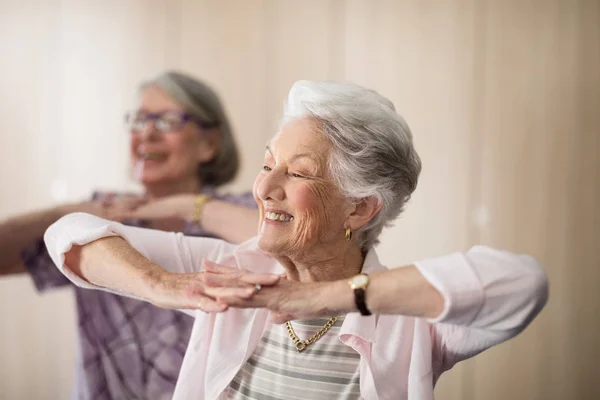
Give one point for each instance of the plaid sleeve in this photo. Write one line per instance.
(40, 266)
(245, 199)
(42, 270)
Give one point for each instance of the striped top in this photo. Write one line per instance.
(327, 369)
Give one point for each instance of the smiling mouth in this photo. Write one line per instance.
(151, 156)
(280, 217)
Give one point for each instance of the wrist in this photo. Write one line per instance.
(155, 281)
(199, 204)
(358, 285)
(185, 209)
(338, 297)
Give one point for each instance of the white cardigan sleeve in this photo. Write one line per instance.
(490, 296)
(172, 251)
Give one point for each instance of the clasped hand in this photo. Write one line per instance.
(219, 287)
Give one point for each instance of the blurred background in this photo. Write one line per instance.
(503, 97)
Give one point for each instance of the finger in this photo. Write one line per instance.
(135, 203)
(135, 207)
(217, 268)
(239, 279)
(238, 302)
(208, 305)
(242, 275)
(224, 280)
(108, 200)
(229, 292)
(260, 279)
(118, 216)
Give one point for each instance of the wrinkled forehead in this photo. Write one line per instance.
(301, 137)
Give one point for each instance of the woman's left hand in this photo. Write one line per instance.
(286, 299)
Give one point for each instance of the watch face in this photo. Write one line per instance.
(360, 280)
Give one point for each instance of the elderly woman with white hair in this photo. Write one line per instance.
(339, 170)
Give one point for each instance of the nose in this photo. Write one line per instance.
(148, 131)
(271, 186)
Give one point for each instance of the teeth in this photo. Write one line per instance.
(278, 217)
(150, 156)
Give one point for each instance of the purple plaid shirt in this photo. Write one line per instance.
(128, 349)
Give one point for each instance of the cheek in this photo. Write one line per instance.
(314, 206)
(257, 183)
(261, 209)
(305, 199)
(183, 150)
(134, 143)
(176, 143)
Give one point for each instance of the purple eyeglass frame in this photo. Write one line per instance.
(183, 117)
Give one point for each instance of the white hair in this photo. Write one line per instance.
(372, 147)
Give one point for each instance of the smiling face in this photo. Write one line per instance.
(301, 207)
(170, 157)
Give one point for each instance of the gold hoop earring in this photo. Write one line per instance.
(348, 234)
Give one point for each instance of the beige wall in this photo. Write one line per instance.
(502, 96)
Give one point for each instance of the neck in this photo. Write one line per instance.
(322, 265)
(163, 189)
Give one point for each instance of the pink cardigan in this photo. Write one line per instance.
(490, 296)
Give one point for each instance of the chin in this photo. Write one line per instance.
(148, 180)
(270, 245)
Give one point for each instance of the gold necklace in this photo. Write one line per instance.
(301, 345)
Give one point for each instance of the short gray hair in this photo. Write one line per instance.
(372, 147)
(201, 101)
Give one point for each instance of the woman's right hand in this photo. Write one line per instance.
(190, 291)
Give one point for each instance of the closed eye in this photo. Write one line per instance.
(296, 176)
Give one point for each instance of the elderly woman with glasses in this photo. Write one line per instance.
(182, 149)
(340, 169)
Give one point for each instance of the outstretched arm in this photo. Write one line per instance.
(160, 267)
(234, 218)
(20, 231)
(472, 300)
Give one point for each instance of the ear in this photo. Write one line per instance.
(364, 211)
(208, 146)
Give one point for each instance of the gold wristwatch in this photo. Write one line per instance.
(359, 285)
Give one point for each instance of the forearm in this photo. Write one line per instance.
(112, 263)
(402, 291)
(231, 222)
(18, 232)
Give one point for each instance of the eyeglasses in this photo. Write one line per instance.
(167, 121)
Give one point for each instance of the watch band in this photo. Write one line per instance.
(359, 299)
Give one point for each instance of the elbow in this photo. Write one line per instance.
(537, 289)
(529, 299)
(515, 291)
